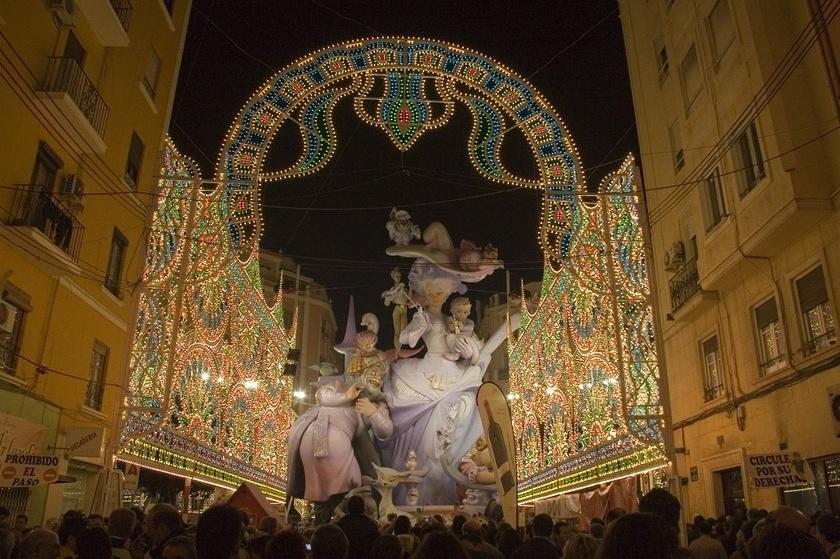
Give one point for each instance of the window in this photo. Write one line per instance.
(135, 157)
(692, 78)
(96, 380)
(119, 244)
(150, 80)
(712, 368)
(46, 168)
(661, 56)
(74, 49)
(714, 208)
(722, 28)
(771, 354)
(750, 160)
(15, 306)
(676, 146)
(815, 311)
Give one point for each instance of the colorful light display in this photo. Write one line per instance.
(208, 350)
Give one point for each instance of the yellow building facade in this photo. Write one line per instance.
(86, 93)
(737, 116)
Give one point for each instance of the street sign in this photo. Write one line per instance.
(84, 441)
(28, 470)
(778, 469)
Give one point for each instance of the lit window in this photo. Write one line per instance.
(771, 353)
(692, 78)
(676, 146)
(722, 28)
(119, 244)
(712, 368)
(96, 380)
(750, 160)
(815, 311)
(150, 79)
(135, 159)
(15, 305)
(661, 56)
(714, 208)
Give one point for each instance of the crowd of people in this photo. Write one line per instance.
(223, 532)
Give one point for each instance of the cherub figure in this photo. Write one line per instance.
(400, 299)
(459, 327)
(400, 227)
(411, 462)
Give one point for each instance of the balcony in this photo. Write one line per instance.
(43, 211)
(71, 96)
(8, 356)
(684, 284)
(109, 20)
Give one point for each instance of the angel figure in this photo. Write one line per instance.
(458, 327)
(400, 227)
(400, 299)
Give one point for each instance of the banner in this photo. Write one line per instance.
(19, 436)
(28, 470)
(778, 469)
(498, 430)
(84, 441)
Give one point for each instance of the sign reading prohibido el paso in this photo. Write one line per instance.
(498, 430)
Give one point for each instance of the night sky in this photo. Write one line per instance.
(333, 222)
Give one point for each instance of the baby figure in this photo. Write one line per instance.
(458, 326)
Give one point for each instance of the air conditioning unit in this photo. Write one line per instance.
(73, 192)
(834, 407)
(65, 11)
(8, 314)
(675, 257)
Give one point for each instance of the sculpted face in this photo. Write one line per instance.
(375, 376)
(436, 293)
(461, 312)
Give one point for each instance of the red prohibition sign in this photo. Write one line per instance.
(50, 475)
(9, 472)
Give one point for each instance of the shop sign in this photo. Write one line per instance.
(19, 436)
(777, 469)
(84, 441)
(28, 470)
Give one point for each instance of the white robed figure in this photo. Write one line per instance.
(432, 399)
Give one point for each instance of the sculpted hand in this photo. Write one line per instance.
(353, 392)
(464, 348)
(365, 407)
(515, 321)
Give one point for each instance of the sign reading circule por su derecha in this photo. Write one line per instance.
(28, 470)
(778, 469)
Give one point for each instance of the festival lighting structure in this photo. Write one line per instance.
(584, 379)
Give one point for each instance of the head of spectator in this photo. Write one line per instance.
(386, 547)
(580, 546)
(458, 522)
(7, 543)
(508, 541)
(179, 547)
(828, 532)
(662, 504)
(71, 527)
(471, 534)
(561, 532)
(329, 542)
(287, 544)
(402, 525)
(614, 514)
(94, 543)
(4, 517)
(542, 526)
(256, 544)
(597, 531)
(789, 516)
(121, 523)
(439, 543)
(705, 527)
(218, 533)
(163, 522)
(95, 521)
(21, 521)
(268, 525)
(356, 506)
(38, 544)
(783, 541)
(639, 535)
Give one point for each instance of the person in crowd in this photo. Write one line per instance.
(614, 514)
(94, 543)
(693, 531)
(268, 525)
(439, 544)
(560, 533)
(661, 503)
(71, 527)
(95, 521)
(179, 547)
(218, 534)
(21, 522)
(38, 544)
(639, 535)
(361, 530)
(329, 542)
(162, 523)
(705, 546)
(7, 543)
(5, 515)
(540, 545)
(784, 541)
(120, 527)
(458, 522)
(596, 530)
(256, 544)
(789, 516)
(287, 544)
(827, 527)
(402, 530)
(730, 538)
(743, 537)
(386, 547)
(475, 545)
(508, 541)
(582, 546)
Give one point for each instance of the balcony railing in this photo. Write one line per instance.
(93, 396)
(710, 393)
(684, 284)
(43, 210)
(123, 9)
(8, 356)
(66, 76)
